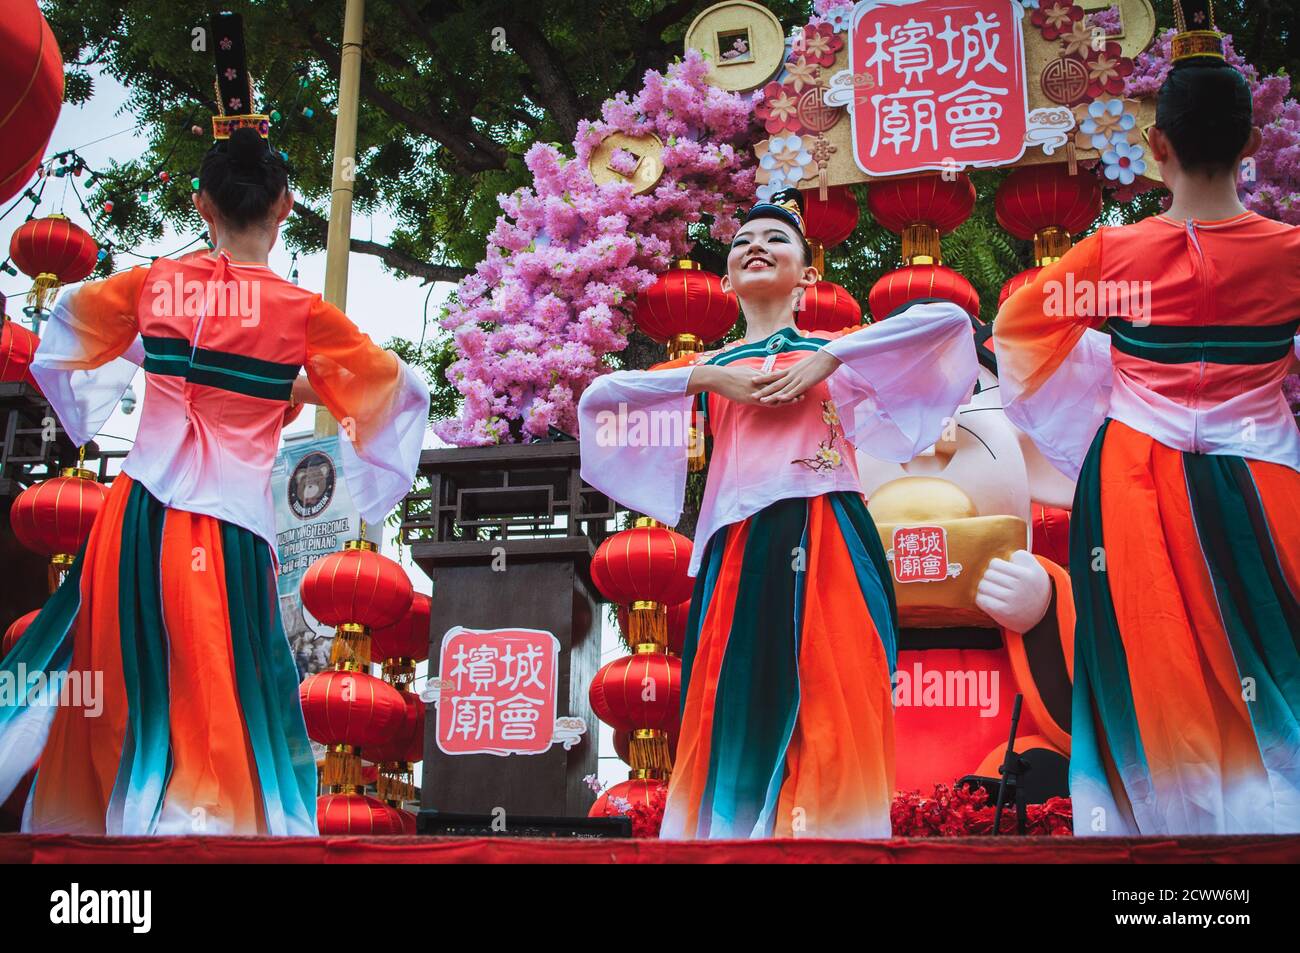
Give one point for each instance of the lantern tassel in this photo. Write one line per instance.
(647, 624)
(342, 767)
(42, 290)
(396, 782)
(351, 647)
(648, 751)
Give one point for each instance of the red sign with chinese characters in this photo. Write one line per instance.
(497, 691)
(939, 84)
(920, 554)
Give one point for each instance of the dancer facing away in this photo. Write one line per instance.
(173, 598)
(1185, 539)
(787, 721)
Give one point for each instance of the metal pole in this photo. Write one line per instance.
(345, 148)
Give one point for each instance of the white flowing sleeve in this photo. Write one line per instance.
(381, 404)
(79, 364)
(634, 431)
(901, 378)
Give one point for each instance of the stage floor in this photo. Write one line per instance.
(63, 848)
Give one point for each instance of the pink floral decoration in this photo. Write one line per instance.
(778, 108)
(1055, 17)
(818, 43)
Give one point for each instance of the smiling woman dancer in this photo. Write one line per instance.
(171, 606)
(787, 722)
(1185, 539)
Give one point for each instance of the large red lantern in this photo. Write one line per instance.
(829, 221)
(644, 568)
(636, 791)
(401, 645)
(356, 590)
(356, 814)
(17, 348)
(16, 630)
(397, 755)
(922, 281)
(53, 251)
(1016, 282)
(642, 690)
(827, 307)
(1048, 204)
(31, 93)
(346, 710)
(55, 517)
(684, 308)
(921, 208)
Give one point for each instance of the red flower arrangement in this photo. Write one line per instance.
(965, 812)
(819, 44)
(1107, 68)
(779, 109)
(647, 818)
(1055, 18)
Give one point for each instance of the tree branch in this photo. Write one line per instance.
(390, 256)
(546, 66)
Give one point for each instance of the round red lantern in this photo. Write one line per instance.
(52, 251)
(920, 208)
(406, 743)
(31, 93)
(827, 307)
(636, 791)
(343, 814)
(922, 281)
(15, 631)
(350, 708)
(357, 586)
(685, 307)
(17, 348)
(638, 691)
(408, 637)
(829, 221)
(55, 517)
(1016, 282)
(644, 568)
(1048, 204)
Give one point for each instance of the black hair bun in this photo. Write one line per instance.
(246, 148)
(243, 178)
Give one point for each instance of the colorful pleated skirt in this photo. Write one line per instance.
(1186, 570)
(156, 691)
(787, 714)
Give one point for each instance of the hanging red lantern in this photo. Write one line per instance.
(355, 591)
(828, 221)
(636, 791)
(1048, 204)
(53, 251)
(827, 307)
(920, 208)
(922, 281)
(346, 711)
(55, 517)
(644, 568)
(638, 691)
(1016, 282)
(397, 755)
(684, 308)
(676, 617)
(356, 814)
(17, 348)
(31, 93)
(16, 630)
(401, 645)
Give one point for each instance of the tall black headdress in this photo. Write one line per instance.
(1197, 35)
(234, 83)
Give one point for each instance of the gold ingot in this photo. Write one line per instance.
(920, 499)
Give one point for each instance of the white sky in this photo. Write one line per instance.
(381, 304)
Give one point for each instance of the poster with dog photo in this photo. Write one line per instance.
(314, 515)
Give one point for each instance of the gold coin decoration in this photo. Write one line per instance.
(623, 158)
(743, 42)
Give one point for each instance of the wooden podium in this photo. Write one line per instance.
(524, 510)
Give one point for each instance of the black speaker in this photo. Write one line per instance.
(443, 824)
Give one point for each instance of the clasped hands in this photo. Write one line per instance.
(750, 385)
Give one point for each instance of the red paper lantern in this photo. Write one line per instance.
(52, 251)
(677, 617)
(922, 281)
(356, 814)
(1047, 204)
(638, 691)
(17, 348)
(408, 638)
(827, 307)
(1016, 282)
(644, 564)
(350, 708)
(831, 220)
(635, 791)
(31, 93)
(921, 208)
(357, 586)
(684, 308)
(406, 743)
(15, 631)
(54, 517)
